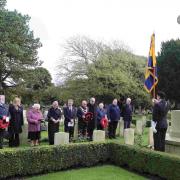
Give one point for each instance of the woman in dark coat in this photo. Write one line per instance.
(16, 122)
(54, 116)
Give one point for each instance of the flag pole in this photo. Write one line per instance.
(154, 89)
(154, 73)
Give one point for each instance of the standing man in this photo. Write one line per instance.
(69, 115)
(113, 117)
(54, 116)
(127, 113)
(82, 124)
(3, 117)
(92, 123)
(160, 111)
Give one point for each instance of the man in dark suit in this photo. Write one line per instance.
(82, 124)
(69, 115)
(127, 113)
(113, 117)
(160, 111)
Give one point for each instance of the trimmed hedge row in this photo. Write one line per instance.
(146, 161)
(30, 161)
(44, 159)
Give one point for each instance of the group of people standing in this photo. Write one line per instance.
(89, 117)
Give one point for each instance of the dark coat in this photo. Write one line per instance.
(16, 120)
(53, 127)
(127, 112)
(113, 112)
(92, 109)
(53, 113)
(160, 111)
(100, 114)
(69, 114)
(80, 113)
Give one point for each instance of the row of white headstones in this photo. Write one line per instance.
(98, 135)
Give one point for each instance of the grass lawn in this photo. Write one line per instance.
(106, 172)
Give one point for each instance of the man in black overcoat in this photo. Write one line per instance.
(160, 111)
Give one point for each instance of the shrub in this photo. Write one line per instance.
(146, 161)
(29, 161)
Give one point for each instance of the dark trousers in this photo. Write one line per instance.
(159, 139)
(82, 128)
(1, 138)
(90, 129)
(14, 140)
(52, 129)
(127, 124)
(99, 127)
(112, 129)
(69, 130)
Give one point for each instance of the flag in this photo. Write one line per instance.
(151, 78)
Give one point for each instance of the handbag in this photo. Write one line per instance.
(43, 126)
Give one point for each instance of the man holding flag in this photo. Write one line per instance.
(161, 107)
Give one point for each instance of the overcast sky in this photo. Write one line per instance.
(130, 21)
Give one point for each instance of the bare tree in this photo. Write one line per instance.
(79, 53)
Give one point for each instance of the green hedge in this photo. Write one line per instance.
(31, 161)
(146, 161)
(44, 159)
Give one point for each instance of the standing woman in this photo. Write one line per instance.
(16, 122)
(34, 118)
(100, 115)
(54, 116)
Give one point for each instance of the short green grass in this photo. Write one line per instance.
(106, 172)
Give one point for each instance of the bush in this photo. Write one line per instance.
(146, 161)
(30, 161)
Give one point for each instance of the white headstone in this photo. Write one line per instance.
(121, 125)
(139, 127)
(129, 136)
(98, 135)
(45, 114)
(76, 129)
(144, 121)
(61, 138)
(118, 129)
(150, 137)
(175, 124)
(25, 116)
(24, 135)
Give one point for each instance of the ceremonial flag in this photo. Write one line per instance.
(151, 78)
